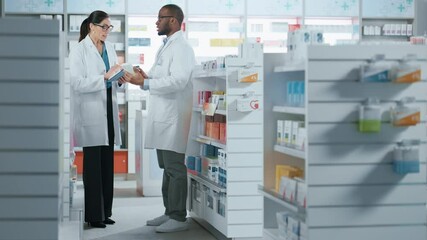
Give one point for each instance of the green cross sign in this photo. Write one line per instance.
(48, 2)
(110, 2)
(229, 4)
(345, 6)
(288, 6)
(401, 8)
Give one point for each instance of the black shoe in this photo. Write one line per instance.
(109, 221)
(97, 224)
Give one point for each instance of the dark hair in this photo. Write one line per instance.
(94, 17)
(176, 11)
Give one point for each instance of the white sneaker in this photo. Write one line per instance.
(158, 220)
(172, 225)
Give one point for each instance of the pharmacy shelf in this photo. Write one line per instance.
(289, 151)
(290, 68)
(208, 183)
(218, 73)
(290, 110)
(218, 111)
(221, 112)
(272, 195)
(210, 141)
(209, 158)
(236, 222)
(342, 174)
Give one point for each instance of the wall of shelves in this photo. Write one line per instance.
(349, 174)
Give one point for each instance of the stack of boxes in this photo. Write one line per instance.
(298, 40)
(388, 30)
(222, 171)
(290, 228)
(291, 134)
(293, 190)
(215, 127)
(286, 185)
(295, 93)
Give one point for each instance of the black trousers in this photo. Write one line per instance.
(98, 174)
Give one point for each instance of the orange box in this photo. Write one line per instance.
(120, 161)
(287, 171)
(212, 130)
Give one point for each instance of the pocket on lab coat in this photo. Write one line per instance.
(91, 113)
(166, 111)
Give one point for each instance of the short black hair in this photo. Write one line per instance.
(176, 11)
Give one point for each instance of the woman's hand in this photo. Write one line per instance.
(112, 71)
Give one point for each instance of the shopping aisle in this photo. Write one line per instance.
(131, 212)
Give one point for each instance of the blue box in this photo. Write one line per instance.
(404, 167)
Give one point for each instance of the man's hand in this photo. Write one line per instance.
(126, 78)
(139, 70)
(138, 77)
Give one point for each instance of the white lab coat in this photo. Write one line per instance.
(171, 94)
(89, 97)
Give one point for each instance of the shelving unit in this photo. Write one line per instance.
(242, 217)
(381, 12)
(352, 190)
(30, 129)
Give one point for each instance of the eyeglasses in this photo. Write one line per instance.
(104, 27)
(161, 17)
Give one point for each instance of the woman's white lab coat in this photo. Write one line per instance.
(89, 96)
(171, 94)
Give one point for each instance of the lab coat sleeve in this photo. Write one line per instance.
(180, 69)
(113, 61)
(81, 81)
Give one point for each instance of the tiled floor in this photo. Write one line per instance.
(130, 212)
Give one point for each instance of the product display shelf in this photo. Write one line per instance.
(218, 73)
(290, 67)
(209, 183)
(218, 111)
(272, 195)
(210, 141)
(289, 151)
(352, 190)
(235, 210)
(278, 71)
(290, 110)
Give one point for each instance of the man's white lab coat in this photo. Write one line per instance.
(171, 94)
